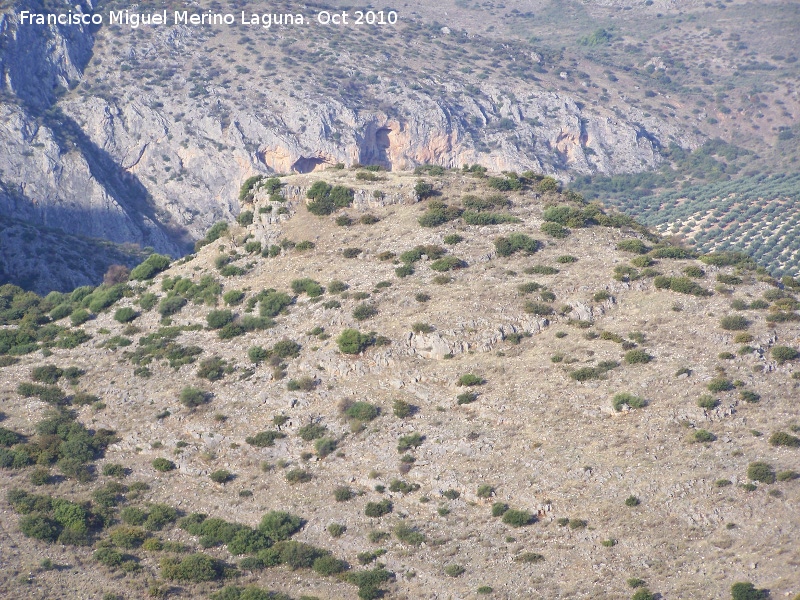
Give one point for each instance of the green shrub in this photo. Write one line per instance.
(643, 594)
(213, 368)
(635, 357)
(499, 509)
(448, 263)
(343, 493)
(747, 591)
(749, 396)
(515, 242)
(351, 341)
(324, 447)
(566, 259)
(127, 537)
(245, 218)
(761, 471)
(378, 509)
(79, 317)
(779, 438)
(708, 402)
(221, 476)
(518, 518)
(784, 354)
(630, 400)
(466, 398)
(632, 501)
(362, 312)
(278, 525)
(408, 534)
(787, 475)
(361, 411)
(554, 230)
(307, 286)
(194, 568)
(734, 323)
(298, 476)
(453, 239)
(264, 439)
(488, 218)
(538, 308)
(454, 570)
(125, 315)
(633, 245)
(694, 271)
(164, 465)
(152, 265)
(719, 384)
(351, 252)
(470, 379)
(148, 300)
(407, 442)
(701, 435)
(326, 199)
(171, 305)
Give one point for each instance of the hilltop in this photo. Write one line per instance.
(456, 383)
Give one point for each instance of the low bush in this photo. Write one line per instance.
(702, 435)
(554, 230)
(264, 439)
(499, 509)
(779, 438)
(747, 591)
(518, 518)
(125, 315)
(633, 245)
(635, 357)
(195, 568)
(163, 464)
(298, 476)
(470, 379)
(307, 286)
(734, 323)
(630, 400)
(515, 242)
(783, 354)
(708, 402)
(378, 509)
(408, 442)
(351, 341)
(362, 312)
(152, 265)
(192, 397)
(221, 476)
(720, 384)
(761, 471)
(361, 411)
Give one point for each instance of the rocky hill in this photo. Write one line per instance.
(431, 385)
(144, 135)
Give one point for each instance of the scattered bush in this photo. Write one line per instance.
(719, 384)
(192, 397)
(152, 265)
(361, 411)
(351, 252)
(708, 402)
(518, 518)
(307, 286)
(342, 493)
(164, 465)
(195, 568)
(632, 501)
(515, 242)
(408, 535)
(761, 471)
(470, 379)
(779, 438)
(407, 442)
(749, 396)
(453, 239)
(747, 591)
(633, 245)
(784, 354)
(454, 570)
(298, 476)
(221, 476)
(701, 435)
(326, 199)
(635, 357)
(351, 341)
(362, 312)
(264, 439)
(125, 315)
(734, 323)
(378, 509)
(630, 400)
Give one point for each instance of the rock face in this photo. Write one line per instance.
(156, 158)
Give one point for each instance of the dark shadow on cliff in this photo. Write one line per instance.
(124, 187)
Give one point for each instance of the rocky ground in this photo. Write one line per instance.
(544, 441)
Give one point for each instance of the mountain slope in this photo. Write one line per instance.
(492, 383)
